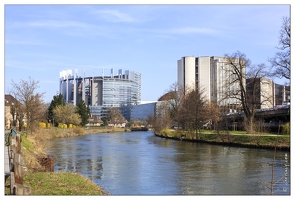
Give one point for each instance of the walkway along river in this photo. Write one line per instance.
(139, 163)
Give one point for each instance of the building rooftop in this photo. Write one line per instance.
(10, 100)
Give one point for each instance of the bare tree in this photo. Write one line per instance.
(20, 117)
(247, 94)
(281, 61)
(211, 114)
(31, 101)
(192, 110)
(115, 116)
(185, 108)
(37, 111)
(162, 117)
(174, 96)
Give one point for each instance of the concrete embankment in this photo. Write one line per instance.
(271, 142)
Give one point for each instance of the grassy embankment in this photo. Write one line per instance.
(231, 137)
(54, 183)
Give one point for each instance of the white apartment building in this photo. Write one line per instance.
(192, 71)
(211, 75)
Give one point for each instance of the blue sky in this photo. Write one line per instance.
(42, 40)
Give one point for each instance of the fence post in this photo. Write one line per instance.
(16, 174)
(18, 169)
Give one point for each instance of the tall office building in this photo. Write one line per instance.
(215, 77)
(101, 92)
(282, 94)
(194, 72)
(212, 76)
(268, 94)
(261, 91)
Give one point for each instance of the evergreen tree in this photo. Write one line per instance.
(83, 111)
(57, 100)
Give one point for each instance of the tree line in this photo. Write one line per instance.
(29, 106)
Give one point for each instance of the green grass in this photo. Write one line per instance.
(272, 140)
(61, 183)
(237, 132)
(27, 144)
(262, 138)
(241, 139)
(209, 137)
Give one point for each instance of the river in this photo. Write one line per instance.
(139, 163)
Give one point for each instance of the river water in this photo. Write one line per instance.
(139, 163)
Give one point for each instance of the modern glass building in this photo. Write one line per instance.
(122, 90)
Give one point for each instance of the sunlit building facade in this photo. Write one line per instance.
(212, 76)
(101, 92)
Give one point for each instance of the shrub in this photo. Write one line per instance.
(166, 132)
(78, 130)
(42, 125)
(286, 129)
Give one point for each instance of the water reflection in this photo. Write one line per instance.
(142, 164)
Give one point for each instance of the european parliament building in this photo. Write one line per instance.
(121, 90)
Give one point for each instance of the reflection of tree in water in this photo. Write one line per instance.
(277, 182)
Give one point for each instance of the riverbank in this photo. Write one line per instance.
(43, 182)
(53, 133)
(34, 145)
(235, 139)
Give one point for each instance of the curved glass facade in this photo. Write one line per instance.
(101, 92)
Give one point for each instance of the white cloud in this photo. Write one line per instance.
(115, 16)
